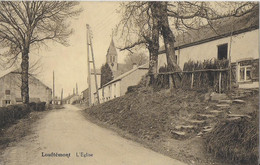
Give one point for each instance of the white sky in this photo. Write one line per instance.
(70, 63)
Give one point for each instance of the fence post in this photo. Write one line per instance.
(219, 81)
(192, 77)
(170, 81)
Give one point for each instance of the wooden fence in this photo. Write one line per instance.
(216, 79)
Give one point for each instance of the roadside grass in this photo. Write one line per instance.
(148, 117)
(16, 131)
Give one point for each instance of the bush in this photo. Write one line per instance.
(12, 112)
(235, 140)
(41, 106)
(132, 89)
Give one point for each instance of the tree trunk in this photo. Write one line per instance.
(25, 76)
(154, 44)
(169, 39)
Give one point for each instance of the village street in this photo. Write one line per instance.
(66, 131)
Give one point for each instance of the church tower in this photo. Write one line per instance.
(112, 57)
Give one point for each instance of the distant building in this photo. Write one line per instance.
(116, 67)
(118, 86)
(10, 89)
(112, 61)
(71, 99)
(238, 36)
(85, 94)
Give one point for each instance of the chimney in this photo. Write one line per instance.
(134, 65)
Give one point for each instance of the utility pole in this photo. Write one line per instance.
(61, 97)
(53, 89)
(89, 43)
(77, 91)
(89, 72)
(94, 67)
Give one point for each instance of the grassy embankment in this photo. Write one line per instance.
(169, 122)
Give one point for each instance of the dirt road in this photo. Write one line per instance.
(65, 137)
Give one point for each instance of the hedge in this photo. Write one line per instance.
(14, 112)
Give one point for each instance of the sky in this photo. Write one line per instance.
(70, 63)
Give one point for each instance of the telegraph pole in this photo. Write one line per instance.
(89, 72)
(94, 67)
(53, 89)
(61, 97)
(89, 43)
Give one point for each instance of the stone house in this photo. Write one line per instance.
(10, 89)
(118, 86)
(232, 38)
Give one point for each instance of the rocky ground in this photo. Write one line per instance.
(174, 122)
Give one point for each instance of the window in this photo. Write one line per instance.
(245, 73)
(222, 51)
(7, 92)
(6, 102)
(114, 58)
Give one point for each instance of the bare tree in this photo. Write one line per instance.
(28, 24)
(147, 20)
(135, 58)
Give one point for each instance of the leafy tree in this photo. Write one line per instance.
(106, 74)
(29, 24)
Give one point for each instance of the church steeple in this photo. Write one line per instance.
(112, 57)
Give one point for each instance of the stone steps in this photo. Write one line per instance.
(194, 121)
(207, 115)
(215, 112)
(222, 105)
(239, 101)
(184, 127)
(178, 134)
(238, 115)
(225, 101)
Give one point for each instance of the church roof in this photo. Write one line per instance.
(112, 49)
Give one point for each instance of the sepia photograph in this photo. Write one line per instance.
(129, 82)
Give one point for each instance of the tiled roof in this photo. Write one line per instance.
(144, 66)
(222, 28)
(18, 71)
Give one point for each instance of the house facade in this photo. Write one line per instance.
(237, 40)
(10, 89)
(118, 86)
(116, 68)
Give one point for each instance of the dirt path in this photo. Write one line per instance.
(67, 132)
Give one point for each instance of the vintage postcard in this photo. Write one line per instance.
(129, 82)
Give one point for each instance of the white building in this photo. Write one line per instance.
(238, 37)
(118, 86)
(10, 89)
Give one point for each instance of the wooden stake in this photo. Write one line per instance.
(219, 81)
(192, 77)
(170, 81)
